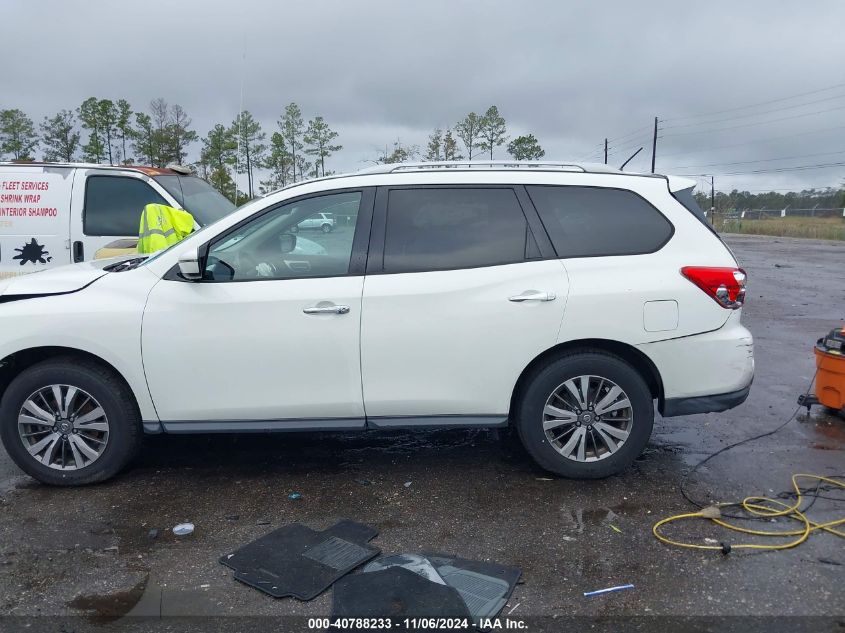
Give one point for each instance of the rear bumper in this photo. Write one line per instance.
(704, 372)
(704, 404)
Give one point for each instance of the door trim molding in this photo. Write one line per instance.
(261, 426)
(437, 421)
(152, 427)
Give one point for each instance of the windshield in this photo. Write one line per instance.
(196, 196)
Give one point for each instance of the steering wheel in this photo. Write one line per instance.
(248, 267)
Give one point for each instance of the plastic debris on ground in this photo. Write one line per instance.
(183, 529)
(295, 495)
(601, 592)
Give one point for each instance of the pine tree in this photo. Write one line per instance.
(435, 145)
(279, 163)
(123, 129)
(469, 131)
(450, 147)
(144, 139)
(526, 148)
(218, 155)
(493, 131)
(249, 139)
(178, 135)
(59, 137)
(160, 118)
(89, 115)
(107, 115)
(291, 126)
(318, 137)
(17, 135)
(399, 154)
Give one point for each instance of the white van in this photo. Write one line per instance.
(53, 214)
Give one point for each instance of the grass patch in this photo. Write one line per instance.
(815, 228)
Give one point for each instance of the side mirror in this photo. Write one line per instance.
(287, 242)
(189, 265)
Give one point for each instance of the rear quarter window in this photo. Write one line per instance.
(594, 221)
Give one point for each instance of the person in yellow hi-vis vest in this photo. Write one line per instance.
(162, 226)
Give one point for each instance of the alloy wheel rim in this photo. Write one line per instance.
(63, 427)
(587, 418)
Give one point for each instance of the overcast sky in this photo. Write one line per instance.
(571, 73)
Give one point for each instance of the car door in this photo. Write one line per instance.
(107, 206)
(463, 290)
(270, 337)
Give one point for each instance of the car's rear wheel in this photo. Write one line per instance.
(327, 228)
(585, 415)
(69, 422)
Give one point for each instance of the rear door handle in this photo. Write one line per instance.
(533, 295)
(78, 251)
(330, 309)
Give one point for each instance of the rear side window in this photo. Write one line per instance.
(113, 204)
(441, 229)
(592, 221)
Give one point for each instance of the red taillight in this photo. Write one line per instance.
(725, 285)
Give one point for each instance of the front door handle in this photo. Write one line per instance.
(78, 251)
(330, 309)
(533, 295)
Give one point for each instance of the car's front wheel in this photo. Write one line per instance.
(69, 422)
(586, 415)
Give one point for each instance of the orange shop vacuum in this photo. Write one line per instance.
(830, 373)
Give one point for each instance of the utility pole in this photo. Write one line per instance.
(605, 151)
(654, 145)
(712, 201)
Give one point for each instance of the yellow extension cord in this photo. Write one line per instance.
(760, 507)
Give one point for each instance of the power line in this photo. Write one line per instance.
(783, 169)
(624, 136)
(752, 114)
(762, 140)
(734, 127)
(763, 160)
(754, 105)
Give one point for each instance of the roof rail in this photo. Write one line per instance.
(479, 164)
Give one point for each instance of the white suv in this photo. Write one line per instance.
(321, 221)
(562, 299)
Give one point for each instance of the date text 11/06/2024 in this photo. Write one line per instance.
(414, 623)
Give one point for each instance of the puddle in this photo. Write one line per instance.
(108, 608)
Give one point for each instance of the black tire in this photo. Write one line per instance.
(107, 388)
(327, 228)
(544, 381)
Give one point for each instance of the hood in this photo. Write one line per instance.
(61, 280)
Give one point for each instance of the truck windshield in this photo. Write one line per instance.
(196, 196)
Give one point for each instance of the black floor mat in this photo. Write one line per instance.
(297, 561)
(484, 587)
(395, 593)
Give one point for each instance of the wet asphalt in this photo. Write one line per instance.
(94, 551)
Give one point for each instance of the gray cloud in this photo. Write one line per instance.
(569, 72)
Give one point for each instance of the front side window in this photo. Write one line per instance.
(273, 246)
(197, 197)
(113, 205)
(592, 221)
(442, 229)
